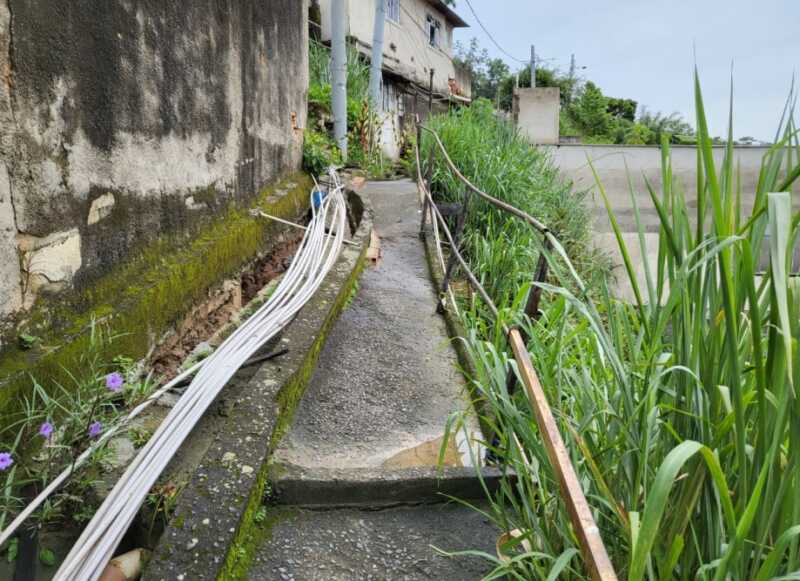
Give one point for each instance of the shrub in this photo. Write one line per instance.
(494, 156)
(319, 152)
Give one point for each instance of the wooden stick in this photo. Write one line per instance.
(591, 543)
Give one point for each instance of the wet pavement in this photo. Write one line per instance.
(387, 379)
(376, 408)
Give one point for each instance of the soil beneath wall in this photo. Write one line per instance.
(204, 321)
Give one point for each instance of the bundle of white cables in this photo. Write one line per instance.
(315, 257)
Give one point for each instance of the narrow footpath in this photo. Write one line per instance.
(357, 471)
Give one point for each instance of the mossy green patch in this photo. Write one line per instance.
(144, 297)
(241, 556)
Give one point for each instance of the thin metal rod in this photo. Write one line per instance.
(288, 223)
(499, 203)
(460, 223)
(591, 544)
(474, 281)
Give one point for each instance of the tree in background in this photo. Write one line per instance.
(590, 112)
(622, 108)
(585, 112)
(487, 73)
(545, 77)
(673, 125)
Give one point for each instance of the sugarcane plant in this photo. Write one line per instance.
(680, 409)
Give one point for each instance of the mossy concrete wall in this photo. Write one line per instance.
(140, 299)
(125, 121)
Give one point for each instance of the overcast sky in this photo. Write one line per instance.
(642, 49)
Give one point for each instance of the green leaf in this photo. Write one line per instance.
(561, 563)
(656, 503)
(47, 557)
(780, 212)
(13, 549)
(27, 341)
(775, 556)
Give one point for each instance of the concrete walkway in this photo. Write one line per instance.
(370, 427)
(387, 379)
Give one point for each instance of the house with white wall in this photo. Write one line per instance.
(418, 42)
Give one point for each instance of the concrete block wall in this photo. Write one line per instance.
(124, 121)
(536, 113)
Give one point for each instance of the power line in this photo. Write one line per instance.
(489, 34)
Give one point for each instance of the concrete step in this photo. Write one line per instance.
(395, 543)
(380, 487)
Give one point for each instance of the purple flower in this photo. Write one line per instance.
(46, 430)
(114, 381)
(94, 429)
(5, 461)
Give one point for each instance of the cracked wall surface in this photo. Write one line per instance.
(10, 278)
(127, 120)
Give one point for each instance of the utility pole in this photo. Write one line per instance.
(430, 95)
(533, 66)
(377, 55)
(572, 66)
(339, 72)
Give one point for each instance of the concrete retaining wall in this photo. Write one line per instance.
(123, 121)
(617, 164)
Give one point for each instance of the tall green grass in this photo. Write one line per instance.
(680, 410)
(494, 156)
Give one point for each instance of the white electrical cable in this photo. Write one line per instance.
(315, 257)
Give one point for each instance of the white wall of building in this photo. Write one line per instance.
(407, 50)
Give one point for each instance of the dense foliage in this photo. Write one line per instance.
(679, 409)
(492, 153)
(319, 149)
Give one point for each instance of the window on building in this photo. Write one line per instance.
(393, 10)
(434, 31)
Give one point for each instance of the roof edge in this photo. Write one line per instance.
(449, 13)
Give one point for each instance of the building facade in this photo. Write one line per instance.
(418, 54)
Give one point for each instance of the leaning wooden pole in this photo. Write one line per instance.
(591, 543)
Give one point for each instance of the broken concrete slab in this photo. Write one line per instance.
(100, 208)
(56, 257)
